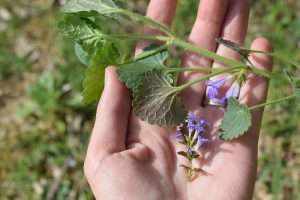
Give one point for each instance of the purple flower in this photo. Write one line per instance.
(233, 91)
(200, 142)
(72, 163)
(199, 128)
(197, 124)
(203, 123)
(179, 135)
(192, 117)
(213, 86)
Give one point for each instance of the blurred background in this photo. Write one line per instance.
(44, 128)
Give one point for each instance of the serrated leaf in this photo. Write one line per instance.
(73, 6)
(237, 120)
(156, 101)
(83, 30)
(88, 8)
(131, 73)
(106, 55)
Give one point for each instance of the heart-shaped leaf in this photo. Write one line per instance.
(156, 101)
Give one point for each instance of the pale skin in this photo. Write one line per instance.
(130, 159)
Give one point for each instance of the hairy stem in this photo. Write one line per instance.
(144, 19)
(194, 69)
(276, 55)
(273, 102)
(137, 37)
(151, 52)
(204, 52)
(202, 78)
(170, 39)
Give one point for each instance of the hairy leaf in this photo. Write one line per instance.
(107, 54)
(131, 73)
(83, 30)
(237, 120)
(73, 6)
(89, 8)
(156, 101)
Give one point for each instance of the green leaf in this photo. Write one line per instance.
(185, 167)
(131, 73)
(182, 153)
(106, 55)
(82, 55)
(237, 120)
(83, 30)
(88, 8)
(73, 6)
(156, 101)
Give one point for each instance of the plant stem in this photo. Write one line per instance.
(170, 39)
(272, 75)
(206, 53)
(197, 50)
(151, 52)
(137, 37)
(267, 74)
(145, 20)
(276, 55)
(202, 78)
(194, 69)
(190, 171)
(179, 43)
(273, 102)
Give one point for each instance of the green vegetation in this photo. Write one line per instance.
(44, 124)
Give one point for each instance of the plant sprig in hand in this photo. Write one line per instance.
(156, 93)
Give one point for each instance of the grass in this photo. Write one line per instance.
(44, 125)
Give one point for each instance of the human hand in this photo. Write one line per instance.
(130, 159)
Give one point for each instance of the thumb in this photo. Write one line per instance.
(110, 129)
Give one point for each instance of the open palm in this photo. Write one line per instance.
(130, 159)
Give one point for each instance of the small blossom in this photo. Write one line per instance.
(213, 86)
(200, 142)
(71, 163)
(199, 128)
(192, 117)
(233, 91)
(190, 134)
(191, 120)
(179, 135)
(203, 122)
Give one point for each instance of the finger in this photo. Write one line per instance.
(234, 29)
(256, 88)
(109, 133)
(162, 11)
(207, 27)
(236, 159)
